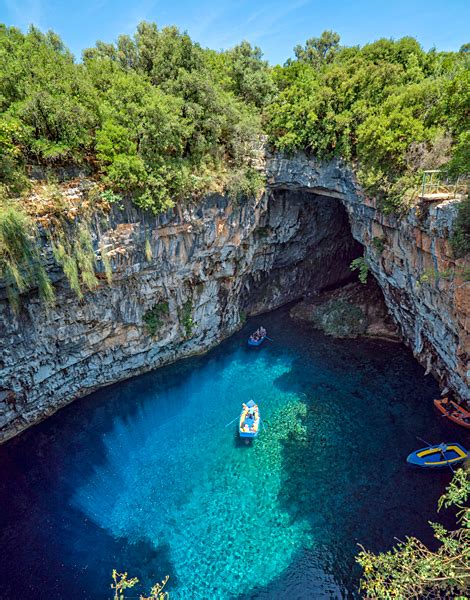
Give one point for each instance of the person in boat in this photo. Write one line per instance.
(258, 334)
(443, 450)
(447, 404)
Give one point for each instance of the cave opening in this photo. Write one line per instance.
(304, 246)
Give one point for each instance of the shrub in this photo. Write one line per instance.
(360, 264)
(154, 318)
(379, 244)
(186, 318)
(411, 570)
(460, 240)
(244, 183)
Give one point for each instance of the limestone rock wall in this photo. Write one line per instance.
(211, 264)
(425, 289)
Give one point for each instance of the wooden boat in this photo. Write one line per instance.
(253, 342)
(440, 455)
(249, 420)
(453, 411)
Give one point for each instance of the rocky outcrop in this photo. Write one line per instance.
(349, 311)
(426, 291)
(209, 265)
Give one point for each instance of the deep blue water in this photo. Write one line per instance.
(144, 475)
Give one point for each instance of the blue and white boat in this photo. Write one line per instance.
(249, 420)
(258, 337)
(440, 455)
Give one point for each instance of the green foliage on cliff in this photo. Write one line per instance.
(73, 251)
(389, 106)
(360, 264)
(460, 240)
(20, 262)
(154, 318)
(411, 570)
(186, 318)
(160, 118)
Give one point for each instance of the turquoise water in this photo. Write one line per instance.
(145, 476)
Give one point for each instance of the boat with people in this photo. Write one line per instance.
(258, 337)
(453, 411)
(438, 455)
(249, 420)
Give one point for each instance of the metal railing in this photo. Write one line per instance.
(434, 186)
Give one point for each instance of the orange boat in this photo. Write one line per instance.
(453, 411)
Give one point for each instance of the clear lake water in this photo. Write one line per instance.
(145, 476)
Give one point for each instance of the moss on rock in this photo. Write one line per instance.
(340, 319)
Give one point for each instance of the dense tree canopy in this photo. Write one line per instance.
(389, 106)
(159, 117)
(153, 115)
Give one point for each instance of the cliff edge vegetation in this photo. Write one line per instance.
(161, 118)
(158, 119)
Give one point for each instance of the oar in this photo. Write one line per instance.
(268, 338)
(233, 421)
(440, 450)
(424, 441)
(264, 426)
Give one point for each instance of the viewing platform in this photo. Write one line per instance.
(433, 189)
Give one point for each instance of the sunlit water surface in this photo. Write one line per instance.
(145, 476)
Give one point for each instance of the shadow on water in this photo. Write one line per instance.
(62, 554)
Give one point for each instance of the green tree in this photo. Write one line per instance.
(411, 570)
(318, 51)
(248, 75)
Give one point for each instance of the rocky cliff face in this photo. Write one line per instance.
(210, 265)
(423, 286)
(214, 262)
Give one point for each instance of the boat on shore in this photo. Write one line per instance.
(453, 411)
(249, 420)
(439, 455)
